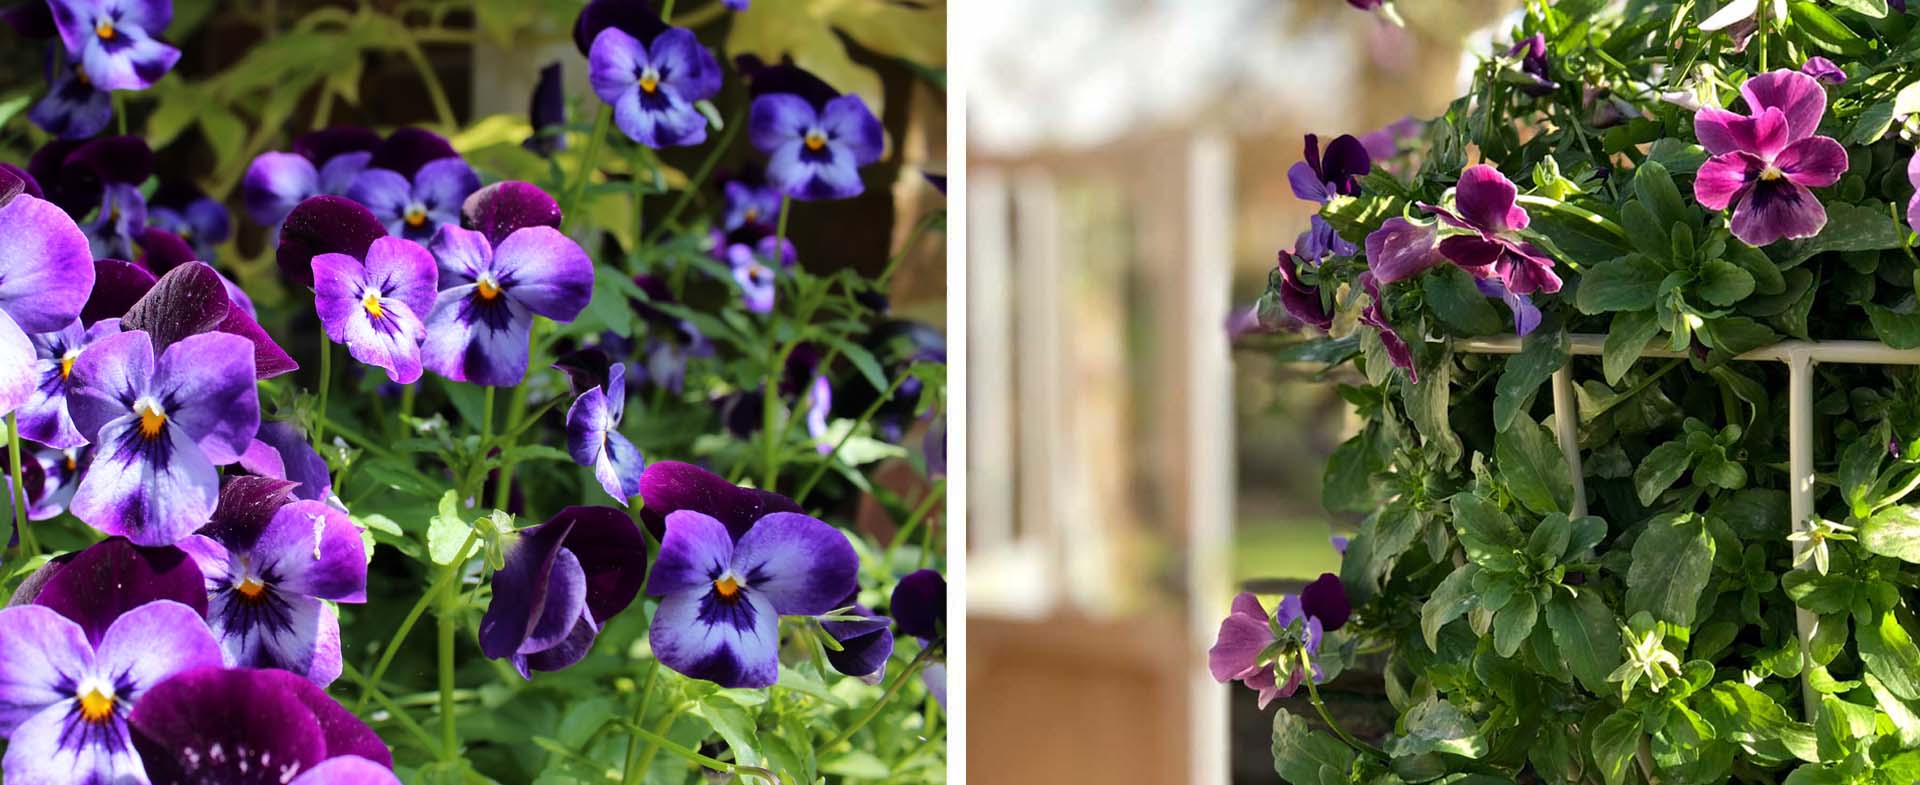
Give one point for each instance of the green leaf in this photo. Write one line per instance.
(1426, 404)
(858, 764)
(1483, 527)
(1655, 188)
(1355, 217)
(1898, 330)
(1871, 124)
(1874, 9)
(1541, 353)
(1437, 726)
(862, 361)
(1724, 283)
(1672, 561)
(1586, 633)
(1850, 227)
(1578, 237)
(1459, 303)
(1453, 597)
(1550, 538)
(447, 532)
(1661, 468)
(1348, 484)
(1627, 338)
(12, 107)
(734, 724)
(1380, 541)
(1300, 753)
(1534, 470)
(1895, 532)
(1823, 29)
(1679, 156)
(1513, 623)
(1626, 283)
(1615, 740)
(1889, 653)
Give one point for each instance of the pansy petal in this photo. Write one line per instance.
(1724, 178)
(612, 63)
(269, 360)
(1401, 249)
(691, 69)
(107, 378)
(1815, 162)
(43, 751)
(133, 65)
(801, 565)
(207, 383)
(406, 150)
(45, 653)
(520, 589)
(190, 300)
(324, 224)
(546, 271)
(1776, 210)
(391, 341)
(563, 654)
(1236, 649)
(733, 643)
(588, 421)
(807, 175)
(503, 208)
(1345, 160)
(474, 340)
(1799, 97)
(46, 267)
(852, 126)
(117, 286)
(1485, 198)
(347, 770)
(1472, 253)
(405, 271)
(315, 550)
(254, 716)
(919, 604)
(695, 552)
(153, 492)
(612, 552)
(345, 733)
(276, 183)
(17, 375)
(327, 144)
(463, 255)
(618, 467)
(565, 599)
(864, 645)
(1326, 599)
(299, 634)
(386, 194)
(247, 504)
(101, 583)
(669, 486)
(1721, 131)
(446, 183)
(777, 119)
(155, 641)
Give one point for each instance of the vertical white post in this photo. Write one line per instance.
(1566, 426)
(1800, 495)
(1209, 401)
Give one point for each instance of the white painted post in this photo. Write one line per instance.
(1800, 497)
(1566, 426)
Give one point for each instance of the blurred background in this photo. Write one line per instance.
(1127, 473)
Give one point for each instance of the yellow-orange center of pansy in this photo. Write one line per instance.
(251, 589)
(752, 214)
(1772, 173)
(152, 418)
(487, 289)
(415, 216)
(66, 363)
(727, 587)
(72, 462)
(649, 83)
(96, 706)
(105, 30)
(816, 140)
(371, 302)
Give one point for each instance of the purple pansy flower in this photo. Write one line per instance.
(1533, 75)
(671, 486)
(114, 40)
(1252, 646)
(65, 700)
(594, 439)
(547, 113)
(562, 580)
(44, 417)
(750, 205)
(1824, 70)
(1401, 249)
(322, 163)
(193, 299)
(508, 206)
(1765, 164)
(46, 275)
(96, 586)
(919, 604)
(815, 147)
(375, 308)
(195, 217)
(483, 318)
(241, 726)
(1526, 315)
(1483, 238)
(1318, 178)
(58, 473)
(160, 426)
(652, 81)
(324, 224)
(73, 108)
(721, 600)
(1320, 241)
(281, 451)
(1301, 301)
(759, 282)
(1913, 202)
(1375, 316)
(865, 645)
(267, 579)
(819, 408)
(1326, 599)
(416, 209)
(122, 217)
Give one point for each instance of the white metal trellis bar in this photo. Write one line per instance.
(1800, 357)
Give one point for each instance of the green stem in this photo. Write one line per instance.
(920, 661)
(666, 9)
(629, 775)
(447, 574)
(19, 488)
(653, 737)
(919, 516)
(448, 621)
(826, 461)
(1313, 691)
(926, 222)
(601, 119)
(486, 419)
(326, 383)
(699, 176)
(400, 716)
(1576, 211)
(120, 112)
(662, 742)
(517, 425)
(769, 401)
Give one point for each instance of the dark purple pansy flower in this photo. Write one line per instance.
(1252, 646)
(160, 250)
(1320, 241)
(44, 418)
(483, 318)
(547, 113)
(1300, 300)
(865, 645)
(1401, 249)
(117, 286)
(594, 439)
(186, 211)
(1319, 178)
(721, 601)
(375, 308)
(1534, 68)
(1766, 164)
(815, 146)
(671, 486)
(919, 604)
(1375, 316)
(1326, 599)
(30, 19)
(508, 206)
(1488, 243)
(408, 149)
(562, 580)
(750, 205)
(1824, 70)
(115, 40)
(65, 700)
(106, 173)
(73, 108)
(653, 82)
(97, 585)
(636, 18)
(416, 209)
(46, 274)
(193, 299)
(322, 162)
(324, 224)
(281, 451)
(240, 726)
(267, 581)
(160, 425)
(1526, 315)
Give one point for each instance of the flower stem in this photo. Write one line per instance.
(662, 742)
(631, 773)
(400, 716)
(769, 400)
(826, 461)
(439, 586)
(486, 419)
(448, 621)
(918, 517)
(926, 222)
(699, 177)
(921, 660)
(27, 548)
(326, 383)
(1576, 211)
(654, 738)
(601, 119)
(1313, 692)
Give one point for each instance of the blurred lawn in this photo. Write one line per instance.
(1283, 548)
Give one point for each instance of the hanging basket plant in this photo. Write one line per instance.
(1633, 324)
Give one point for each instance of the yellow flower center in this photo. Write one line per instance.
(727, 587)
(759, 273)
(752, 214)
(104, 29)
(66, 363)
(152, 418)
(488, 289)
(72, 462)
(415, 216)
(1771, 173)
(96, 706)
(649, 83)
(816, 140)
(251, 589)
(371, 302)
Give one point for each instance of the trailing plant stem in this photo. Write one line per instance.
(699, 177)
(447, 574)
(448, 621)
(920, 661)
(827, 460)
(326, 383)
(1313, 692)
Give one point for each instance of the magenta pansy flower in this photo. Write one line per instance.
(1913, 202)
(376, 308)
(1252, 647)
(1375, 316)
(1300, 300)
(1765, 163)
(1483, 237)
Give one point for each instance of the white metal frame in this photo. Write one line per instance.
(1799, 356)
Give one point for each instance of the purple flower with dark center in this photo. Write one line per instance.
(483, 318)
(594, 439)
(721, 600)
(1375, 316)
(547, 113)
(46, 274)
(815, 148)
(322, 162)
(1318, 178)
(65, 700)
(374, 308)
(185, 210)
(73, 108)
(1401, 249)
(416, 209)
(266, 582)
(1534, 68)
(1823, 70)
(751, 205)
(240, 726)
(281, 451)
(1765, 164)
(44, 418)
(1300, 300)
(562, 580)
(160, 426)
(1252, 647)
(652, 82)
(758, 281)
(1484, 233)
(122, 216)
(919, 604)
(192, 299)
(1320, 241)
(114, 40)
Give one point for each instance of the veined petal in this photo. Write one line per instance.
(802, 566)
(151, 491)
(55, 746)
(588, 421)
(470, 339)
(1814, 162)
(1775, 210)
(1401, 249)
(324, 224)
(546, 271)
(814, 175)
(851, 126)
(1725, 178)
(291, 632)
(669, 486)
(688, 66)
(311, 548)
(106, 380)
(463, 255)
(133, 65)
(777, 119)
(152, 642)
(45, 651)
(207, 384)
(1306, 183)
(1799, 97)
(1485, 198)
(17, 376)
(46, 267)
(102, 583)
(505, 207)
(695, 552)
(618, 467)
(731, 642)
(386, 194)
(255, 716)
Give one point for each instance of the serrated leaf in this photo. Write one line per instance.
(447, 532)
